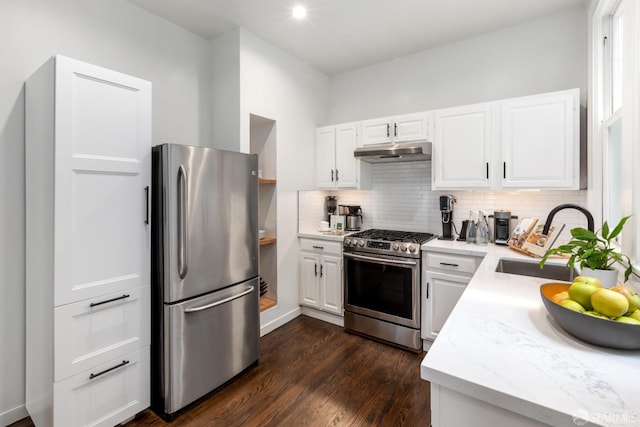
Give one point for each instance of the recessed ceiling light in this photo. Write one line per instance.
(299, 12)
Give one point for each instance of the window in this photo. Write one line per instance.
(612, 114)
(615, 117)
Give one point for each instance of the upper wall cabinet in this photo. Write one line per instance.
(404, 128)
(463, 147)
(541, 141)
(528, 142)
(336, 165)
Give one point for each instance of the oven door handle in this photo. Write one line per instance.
(376, 259)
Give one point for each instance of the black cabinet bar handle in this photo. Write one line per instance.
(449, 264)
(395, 129)
(331, 175)
(388, 130)
(504, 170)
(427, 290)
(337, 179)
(124, 362)
(487, 170)
(317, 247)
(316, 268)
(321, 270)
(146, 196)
(93, 304)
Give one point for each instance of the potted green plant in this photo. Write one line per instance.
(594, 251)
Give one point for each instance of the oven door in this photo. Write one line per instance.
(385, 288)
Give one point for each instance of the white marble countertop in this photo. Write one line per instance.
(323, 235)
(501, 346)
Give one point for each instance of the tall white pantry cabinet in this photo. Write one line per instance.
(88, 170)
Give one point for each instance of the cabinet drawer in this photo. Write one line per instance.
(86, 335)
(321, 246)
(118, 390)
(461, 265)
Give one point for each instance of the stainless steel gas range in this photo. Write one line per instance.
(382, 285)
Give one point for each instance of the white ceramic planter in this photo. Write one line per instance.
(608, 278)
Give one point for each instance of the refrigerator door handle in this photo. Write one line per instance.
(183, 203)
(220, 302)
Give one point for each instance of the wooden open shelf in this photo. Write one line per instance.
(267, 241)
(266, 303)
(266, 181)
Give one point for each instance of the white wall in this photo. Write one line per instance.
(541, 56)
(225, 103)
(110, 33)
(276, 86)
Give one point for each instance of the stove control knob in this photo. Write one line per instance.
(395, 246)
(354, 242)
(347, 242)
(403, 248)
(361, 243)
(412, 248)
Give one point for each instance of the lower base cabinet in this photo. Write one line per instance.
(321, 275)
(445, 277)
(451, 408)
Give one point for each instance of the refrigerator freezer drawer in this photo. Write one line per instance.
(209, 340)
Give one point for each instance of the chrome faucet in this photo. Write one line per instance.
(555, 210)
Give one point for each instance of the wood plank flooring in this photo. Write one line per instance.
(312, 373)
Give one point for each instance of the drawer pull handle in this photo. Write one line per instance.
(449, 264)
(119, 365)
(93, 304)
(317, 247)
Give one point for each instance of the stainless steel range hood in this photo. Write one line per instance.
(404, 152)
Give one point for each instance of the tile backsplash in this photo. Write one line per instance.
(401, 199)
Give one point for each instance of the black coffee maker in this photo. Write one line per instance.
(446, 210)
(331, 205)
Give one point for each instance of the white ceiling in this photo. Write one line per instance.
(343, 35)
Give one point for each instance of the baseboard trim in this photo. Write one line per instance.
(13, 415)
(276, 323)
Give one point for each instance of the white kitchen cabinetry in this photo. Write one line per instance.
(336, 165)
(462, 147)
(403, 128)
(528, 142)
(445, 277)
(541, 141)
(88, 167)
(321, 275)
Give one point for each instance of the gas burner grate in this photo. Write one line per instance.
(395, 236)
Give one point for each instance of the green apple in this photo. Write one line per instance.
(588, 279)
(630, 295)
(581, 290)
(627, 319)
(610, 303)
(572, 305)
(596, 314)
(635, 315)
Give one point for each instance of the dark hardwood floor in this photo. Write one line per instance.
(312, 373)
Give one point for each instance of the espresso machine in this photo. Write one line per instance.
(446, 210)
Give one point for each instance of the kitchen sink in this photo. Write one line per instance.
(532, 269)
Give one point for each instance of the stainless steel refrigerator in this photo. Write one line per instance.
(205, 286)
